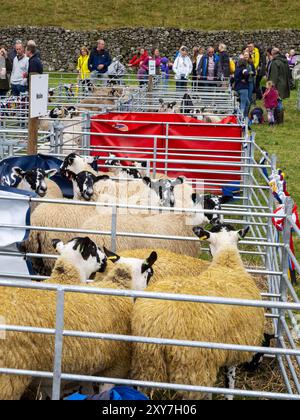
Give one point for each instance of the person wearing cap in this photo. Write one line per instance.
(182, 68)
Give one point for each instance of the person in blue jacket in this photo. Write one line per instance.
(208, 66)
(241, 85)
(99, 60)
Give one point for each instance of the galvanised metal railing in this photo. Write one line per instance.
(255, 208)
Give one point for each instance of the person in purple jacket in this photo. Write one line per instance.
(165, 71)
(144, 66)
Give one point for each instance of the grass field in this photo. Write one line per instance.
(202, 15)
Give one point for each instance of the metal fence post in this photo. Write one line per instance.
(289, 205)
(114, 229)
(87, 136)
(154, 157)
(59, 327)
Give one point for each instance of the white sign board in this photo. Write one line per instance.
(39, 95)
(152, 68)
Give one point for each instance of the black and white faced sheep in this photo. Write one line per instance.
(121, 171)
(78, 260)
(84, 184)
(37, 181)
(76, 164)
(226, 277)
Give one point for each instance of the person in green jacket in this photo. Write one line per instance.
(280, 73)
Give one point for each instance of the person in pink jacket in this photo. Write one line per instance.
(271, 97)
(144, 66)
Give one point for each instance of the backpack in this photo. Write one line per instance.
(257, 116)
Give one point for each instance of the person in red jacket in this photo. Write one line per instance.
(271, 97)
(138, 58)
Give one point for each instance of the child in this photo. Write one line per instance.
(271, 98)
(82, 64)
(165, 71)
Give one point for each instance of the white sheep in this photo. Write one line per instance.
(241, 325)
(37, 181)
(168, 262)
(83, 312)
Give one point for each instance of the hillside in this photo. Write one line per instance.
(204, 14)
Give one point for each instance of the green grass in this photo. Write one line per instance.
(284, 141)
(202, 15)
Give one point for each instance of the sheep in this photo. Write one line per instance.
(226, 277)
(73, 138)
(85, 183)
(159, 224)
(168, 262)
(122, 171)
(76, 164)
(83, 312)
(37, 181)
(102, 97)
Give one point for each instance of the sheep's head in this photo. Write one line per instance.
(142, 270)
(75, 163)
(113, 161)
(33, 180)
(84, 184)
(84, 255)
(211, 202)
(164, 188)
(221, 236)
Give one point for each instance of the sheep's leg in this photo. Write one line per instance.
(230, 380)
(258, 357)
(13, 387)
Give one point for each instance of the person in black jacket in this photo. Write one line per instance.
(99, 60)
(224, 63)
(35, 64)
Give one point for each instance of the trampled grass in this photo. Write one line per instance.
(202, 15)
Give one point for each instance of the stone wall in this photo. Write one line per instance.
(60, 47)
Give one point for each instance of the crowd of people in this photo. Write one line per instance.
(200, 67)
(16, 67)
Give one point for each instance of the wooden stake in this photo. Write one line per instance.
(33, 127)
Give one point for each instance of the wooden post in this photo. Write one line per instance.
(150, 93)
(33, 127)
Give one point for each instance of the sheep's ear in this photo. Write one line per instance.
(57, 245)
(111, 255)
(89, 159)
(18, 172)
(147, 181)
(202, 234)
(70, 175)
(149, 262)
(51, 172)
(178, 181)
(243, 233)
(101, 178)
(196, 198)
(225, 199)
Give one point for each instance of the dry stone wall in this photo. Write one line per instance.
(60, 47)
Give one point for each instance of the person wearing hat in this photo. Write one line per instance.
(182, 68)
